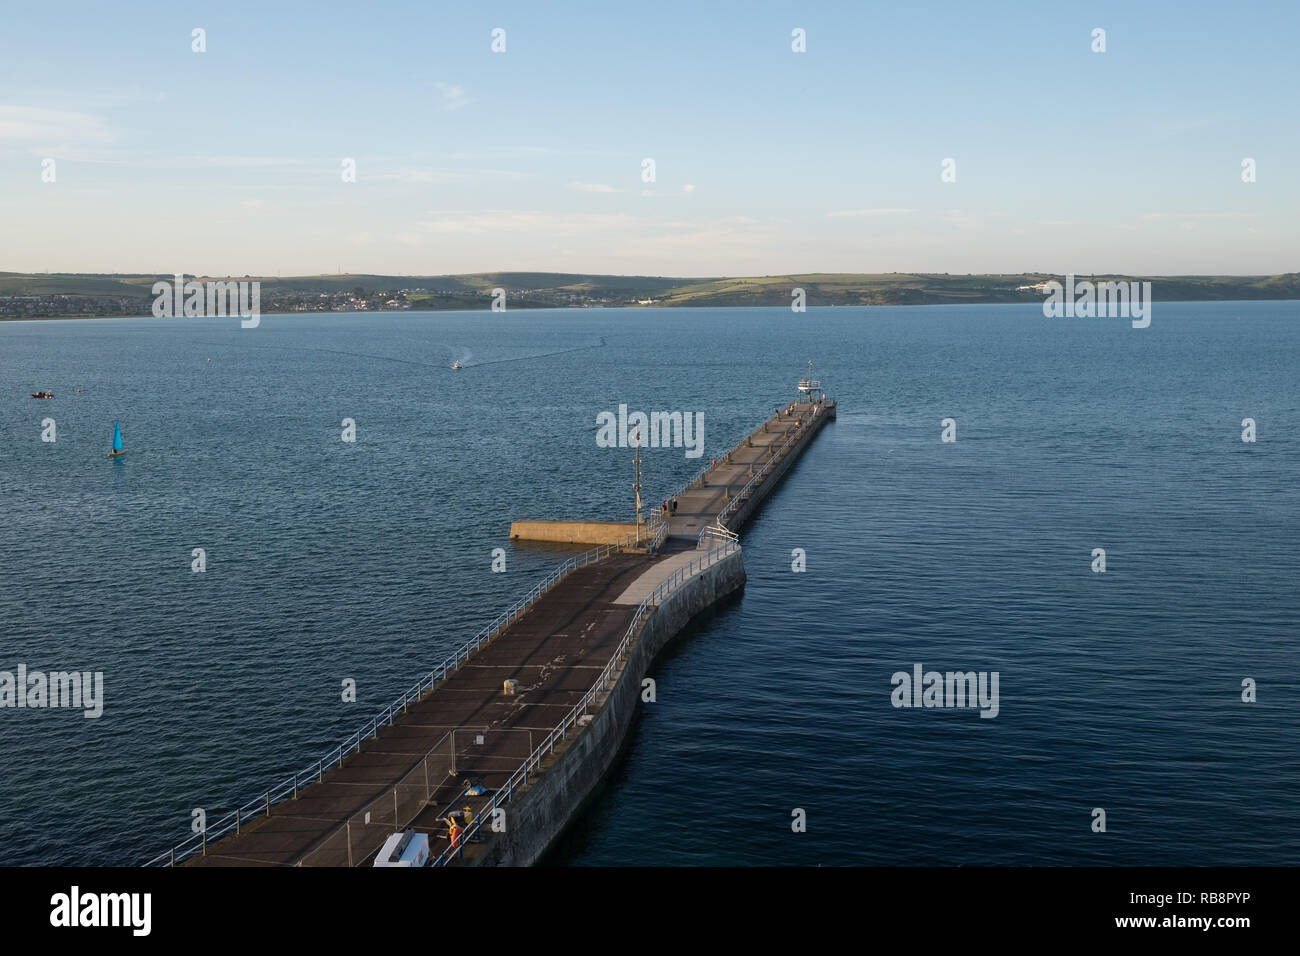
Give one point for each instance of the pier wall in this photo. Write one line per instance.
(535, 818)
(574, 532)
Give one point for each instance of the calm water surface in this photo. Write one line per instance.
(370, 561)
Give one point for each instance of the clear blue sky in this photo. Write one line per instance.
(767, 161)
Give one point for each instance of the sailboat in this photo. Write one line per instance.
(117, 441)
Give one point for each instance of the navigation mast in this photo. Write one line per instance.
(636, 442)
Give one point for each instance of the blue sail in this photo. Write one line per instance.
(117, 436)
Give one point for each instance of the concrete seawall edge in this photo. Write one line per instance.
(536, 818)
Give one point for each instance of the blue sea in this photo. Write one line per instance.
(370, 560)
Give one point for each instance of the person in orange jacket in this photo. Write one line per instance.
(453, 832)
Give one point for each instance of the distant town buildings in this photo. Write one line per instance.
(281, 300)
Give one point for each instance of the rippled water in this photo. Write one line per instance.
(370, 561)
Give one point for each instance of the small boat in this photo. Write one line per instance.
(42, 394)
(117, 441)
(456, 366)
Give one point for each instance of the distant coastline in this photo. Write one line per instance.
(54, 296)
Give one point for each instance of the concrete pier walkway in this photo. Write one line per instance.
(469, 731)
(700, 504)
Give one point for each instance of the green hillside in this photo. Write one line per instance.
(40, 295)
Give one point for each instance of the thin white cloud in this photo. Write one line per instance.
(453, 96)
(1157, 216)
(442, 175)
(870, 212)
(239, 161)
(95, 98)
(151, 160)
(519, 222)
(35, 126)
(686, 190)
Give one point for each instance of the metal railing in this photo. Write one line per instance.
(359, 838)
(741, 496)
(288, 789)
(656, 529)
(560, 733)
(363, 833)
(718, 531)
(705, 470)
(660, 535)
